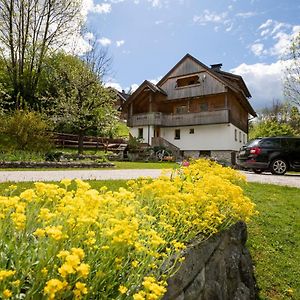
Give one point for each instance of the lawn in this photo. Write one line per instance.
(274, 240)
(118, 165)
(274, 236)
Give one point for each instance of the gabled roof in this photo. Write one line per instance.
(146, 84)
(217, 74)
(234, 77)
(232, 81)
(122, 94)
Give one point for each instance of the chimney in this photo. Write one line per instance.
(216, 67)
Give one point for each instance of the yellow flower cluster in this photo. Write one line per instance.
(60, 242)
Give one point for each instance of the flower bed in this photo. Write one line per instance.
(63, 243)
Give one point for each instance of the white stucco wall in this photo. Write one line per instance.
(148, 133)
(205, 137)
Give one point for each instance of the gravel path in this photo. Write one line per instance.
(19, 176)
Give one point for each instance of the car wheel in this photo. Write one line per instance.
(278, 167)
(257, 171)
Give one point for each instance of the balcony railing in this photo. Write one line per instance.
(160, 119)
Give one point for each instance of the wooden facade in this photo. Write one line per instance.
(191, 94)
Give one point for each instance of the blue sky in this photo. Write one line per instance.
(146, 38)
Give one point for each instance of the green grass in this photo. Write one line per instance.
(274, 240)
(118, 165)
(145, 165)
(273, 236)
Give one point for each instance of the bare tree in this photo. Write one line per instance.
(29, 29)
(292, 80)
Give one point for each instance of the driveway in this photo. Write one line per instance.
(57, 175)
(292, 180)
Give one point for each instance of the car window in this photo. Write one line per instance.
(252, 143)
(294, 143)
(270, 143)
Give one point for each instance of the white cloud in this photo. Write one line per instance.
(210, 17)
(266, 24)
(104, 41)
(265, 81)
(155, 3)
(134, 87)
(158, 22)
(248, 14)
(257, 49)
(88, 6)
(120, 43)
(89, 36)
(277, 37)
(103, 8)
(114, 85)
(155, 80)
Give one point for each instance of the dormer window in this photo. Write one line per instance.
(187, 81)
(183, 109)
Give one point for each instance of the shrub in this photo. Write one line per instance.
(68, 243)
(24, 130)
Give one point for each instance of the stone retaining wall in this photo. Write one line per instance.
(219, 268)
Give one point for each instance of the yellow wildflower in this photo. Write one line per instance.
(39, 232)
(135, 263)
(54, 232)
(28, 195)
(7, 293)
(139, 296)
(122, 289)
(66, 182)
(63, 254)
(83, 270)
(6, 273)
(80, 290)
(54, 286)
(16, 283)
(66, 269)
(79, 252)
(44, 271)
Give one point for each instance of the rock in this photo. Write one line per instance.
(219, 268)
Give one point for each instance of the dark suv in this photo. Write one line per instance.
(276, 154)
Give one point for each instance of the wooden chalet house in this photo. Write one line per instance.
(194, 109)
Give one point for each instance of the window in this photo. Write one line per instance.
(244, 138)
(203, 106)
(181, 109)
(140, 133)
(177, 134)
(205, 153)
(240, 137)
(235, 134)
(186, 81)
(192, 131)
(270, 143)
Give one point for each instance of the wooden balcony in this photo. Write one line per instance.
(173, 120)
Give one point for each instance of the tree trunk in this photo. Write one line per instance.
(80, 142)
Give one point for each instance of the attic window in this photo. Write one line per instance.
(186, 81)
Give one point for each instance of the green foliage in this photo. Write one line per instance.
(24, 130)
(21, 155)
(116, 129)
(274, 240)
(292, 78)
(81, 102)
(270, 128)
(134, 143)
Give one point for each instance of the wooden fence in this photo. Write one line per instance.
(64, 140)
